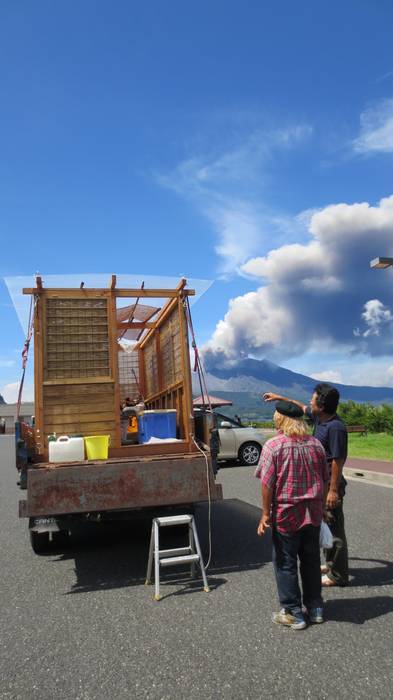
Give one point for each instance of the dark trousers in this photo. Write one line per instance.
(337, 557)
(303, 544)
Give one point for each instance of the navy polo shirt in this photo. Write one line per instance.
(332, 433)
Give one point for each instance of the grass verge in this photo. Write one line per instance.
(371, 446)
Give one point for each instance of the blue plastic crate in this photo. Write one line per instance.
(160, 424)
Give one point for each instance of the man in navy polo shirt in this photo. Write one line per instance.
(330, 430)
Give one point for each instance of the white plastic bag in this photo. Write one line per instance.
(325, 536)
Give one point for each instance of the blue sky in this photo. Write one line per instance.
(212, 140)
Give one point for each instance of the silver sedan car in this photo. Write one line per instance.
(239, 442)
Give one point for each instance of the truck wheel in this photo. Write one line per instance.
(39, 542)
(60, 540)
(249, 453)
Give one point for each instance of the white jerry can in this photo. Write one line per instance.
(67, 449)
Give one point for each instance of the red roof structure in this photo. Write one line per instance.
(214, 401)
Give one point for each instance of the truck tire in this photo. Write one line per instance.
(39, 542)
(60, 540)
(249, 453)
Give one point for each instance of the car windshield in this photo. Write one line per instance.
(234, 423)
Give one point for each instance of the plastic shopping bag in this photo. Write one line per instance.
(325, 536)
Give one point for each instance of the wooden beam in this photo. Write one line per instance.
(64, 293)
(168, 390)
(188, 412)
(38, 280)
(135, 324)
(112, 283)
(131, 293)
(161, 449)
(153, 293)
(182, 284)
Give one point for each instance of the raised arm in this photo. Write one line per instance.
(270, 396)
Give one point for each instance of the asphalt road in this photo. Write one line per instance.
(80, 624)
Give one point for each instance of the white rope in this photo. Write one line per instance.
(206, 566)
(202, 382)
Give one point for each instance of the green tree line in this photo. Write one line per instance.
(376, 419)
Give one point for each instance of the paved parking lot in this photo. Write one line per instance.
(80, 624)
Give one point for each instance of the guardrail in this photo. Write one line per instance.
(357, 429)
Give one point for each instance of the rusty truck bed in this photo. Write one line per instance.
(117, 484)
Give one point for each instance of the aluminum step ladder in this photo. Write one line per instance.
(171, 557)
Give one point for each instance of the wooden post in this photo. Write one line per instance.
(39, 371)
(142, 374)
(159, 361)
(114, 363)
(186, 370)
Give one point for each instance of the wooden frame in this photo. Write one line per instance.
(170, 394)
(83, 293)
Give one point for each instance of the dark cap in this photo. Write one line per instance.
(287, 408)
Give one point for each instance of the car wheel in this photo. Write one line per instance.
(249, 453)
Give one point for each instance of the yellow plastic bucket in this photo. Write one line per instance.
(97, 446)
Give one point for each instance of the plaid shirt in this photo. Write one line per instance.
(295, 469)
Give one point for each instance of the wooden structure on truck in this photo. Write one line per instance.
(90, 353)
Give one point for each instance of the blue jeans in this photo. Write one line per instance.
(303, 544)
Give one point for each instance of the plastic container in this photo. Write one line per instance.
(66, 449)
(160, 424)
(97, 446)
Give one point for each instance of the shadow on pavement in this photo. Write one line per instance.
(374, 572)
(357, 610)
(235, 543)
(114, 555)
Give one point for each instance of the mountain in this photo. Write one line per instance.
(1, 400)
(245, 380)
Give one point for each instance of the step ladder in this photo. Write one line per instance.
(171, 557)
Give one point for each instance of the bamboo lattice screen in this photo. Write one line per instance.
(76, 338)
(170, 342)
(128, 375)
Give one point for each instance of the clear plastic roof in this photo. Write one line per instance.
(102, 280)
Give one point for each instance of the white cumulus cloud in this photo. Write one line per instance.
(375, 315)
(312, 295)
(374, 374)
(376, 129)
(328, 375)
(9, 392)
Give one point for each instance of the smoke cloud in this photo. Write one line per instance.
(321, 295)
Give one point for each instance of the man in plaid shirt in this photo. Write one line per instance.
(294, 475)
